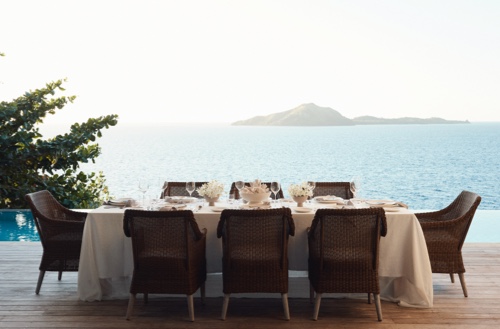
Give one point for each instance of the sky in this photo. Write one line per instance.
(219, 61)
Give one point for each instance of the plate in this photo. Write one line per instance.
(380, 203)
(180, 199)
(217, 209)
(171, 207)
(330, 200)
(261, 206)
(302, 210)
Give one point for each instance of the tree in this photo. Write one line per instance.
(29, 163)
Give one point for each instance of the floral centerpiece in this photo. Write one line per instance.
(300, 192)
(211, 191)
(255, 193)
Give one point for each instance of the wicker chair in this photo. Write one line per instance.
(255, 252)
(340, 189)
(234, 190)
(343, 253)
(179, 189)
(60, 230)
(169, 254)
(445, 231)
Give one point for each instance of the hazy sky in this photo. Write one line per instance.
(222, 61)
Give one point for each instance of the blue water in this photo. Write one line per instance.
(425, 166)
(17, 225)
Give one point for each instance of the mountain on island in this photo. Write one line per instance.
(313, 115)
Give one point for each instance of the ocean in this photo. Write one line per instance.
(424, 166)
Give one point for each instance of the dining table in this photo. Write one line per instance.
(405, 275)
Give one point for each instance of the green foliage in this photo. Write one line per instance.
(29, 163)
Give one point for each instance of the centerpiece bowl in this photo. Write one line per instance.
(255, 198)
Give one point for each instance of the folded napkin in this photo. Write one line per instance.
(170, 208)
(329, 198)
(120, 203)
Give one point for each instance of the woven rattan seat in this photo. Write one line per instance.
(234, 190)
(445, 231)
(60, 230)
(255, 252)
(343, 253)
(179, 189)
(169, 254)
(340, 189)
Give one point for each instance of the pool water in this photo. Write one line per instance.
(18, 225)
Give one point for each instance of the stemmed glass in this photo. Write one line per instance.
(275, 188)
(355, 186)
(239, 186)
(143, 188)
(190, 187)
(312, 186)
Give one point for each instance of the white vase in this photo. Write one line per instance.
(300, 200)
(211, 201)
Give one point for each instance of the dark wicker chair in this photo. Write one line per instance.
(234, 190)
(445, 231)
(255, 252)
(343, 253)
(179, 189)
(60, 230)
(169, 254)
(340, 189)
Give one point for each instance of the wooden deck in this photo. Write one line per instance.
(57, 305)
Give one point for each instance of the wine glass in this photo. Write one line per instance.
(312, 186)
(190, 187)
(275, 188)
(355, 186)
(239, 186)
(143, 188)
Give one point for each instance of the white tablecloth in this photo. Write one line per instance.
(106, 264)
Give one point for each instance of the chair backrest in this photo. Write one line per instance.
(44, 205)
(51, 218)
(179, 189)
(347, 235)
(461, 211)
(256, 234)
(340, 189)
(160, 234)
(234, 190)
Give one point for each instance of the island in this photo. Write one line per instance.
(313, 115)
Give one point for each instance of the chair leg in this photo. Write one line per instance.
(130, 307)
(190, 307)
(284, 297)
(59, 277)
(462, 282)
(369, 298)
(39, 283)
(224, 306)
(146, 298)
(316, 306)
(452, 278)
(378, 306)
(311, 293)
(202, 293)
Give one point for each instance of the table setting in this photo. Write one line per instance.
(106, 254)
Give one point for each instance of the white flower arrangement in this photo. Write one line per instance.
(211, 189)
(255, 187)
(300, 190)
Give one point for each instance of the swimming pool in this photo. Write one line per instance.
(18, 225)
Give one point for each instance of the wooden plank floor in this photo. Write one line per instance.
(57, 305)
